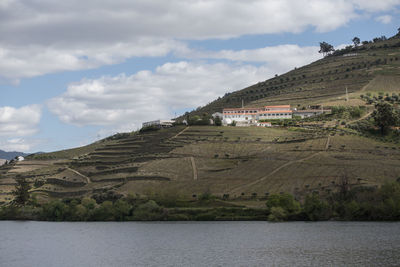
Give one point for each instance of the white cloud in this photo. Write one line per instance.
(19, 121)
(283, 57)
(16, 123)
(375, 6)
(35, 60)
(126, 101)
(385, 19)
(39, 37)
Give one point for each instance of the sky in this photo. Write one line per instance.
(73, 72)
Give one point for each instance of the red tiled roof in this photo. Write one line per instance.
(276, 111)
(241, 113)
(242, 108)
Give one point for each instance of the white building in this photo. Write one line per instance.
(159, 123)
(250, 116)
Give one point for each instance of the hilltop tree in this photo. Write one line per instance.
(356, 41)
(21, 191)
(384, 116)
(325, 48)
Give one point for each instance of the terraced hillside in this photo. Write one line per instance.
(241, 162)
(323, 81)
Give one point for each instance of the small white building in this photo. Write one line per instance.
(159, 123)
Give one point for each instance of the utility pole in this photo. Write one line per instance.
(347, 95)
(242, 103)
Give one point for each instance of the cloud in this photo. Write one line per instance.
(283, 57)
(35, 60)
(126, 101)
(19, 121)
(385, 19)
(39, 37)
(16, 123)
(375, 6)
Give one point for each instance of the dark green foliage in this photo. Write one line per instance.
(217, 121)
(315, 209)
(55, 210)
(21, 191)
(385, 116)
(148, 211)
(107, 196)
(282, 206)
(197, 120)
(325, 48)
(359, 203)
(122, 210)
(104, 212)
(356, 41)
(149, 128)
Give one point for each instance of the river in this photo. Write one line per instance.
(199, 244)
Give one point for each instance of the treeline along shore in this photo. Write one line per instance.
(363, 204)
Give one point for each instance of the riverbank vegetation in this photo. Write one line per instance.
(366, 204)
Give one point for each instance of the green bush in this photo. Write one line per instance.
(277, 214)
(55, 210)
(285, 201)
(315, 209)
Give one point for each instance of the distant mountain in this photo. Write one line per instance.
(11, 155)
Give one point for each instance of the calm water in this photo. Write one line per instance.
(199, 244)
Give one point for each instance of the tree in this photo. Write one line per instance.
(314, 208)
(21, 191)
(285, 201)
(384, 116)
(356, 41)
(217, 121)
(325, 48)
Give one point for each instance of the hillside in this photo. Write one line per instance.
(373, 66)
(246, 163)
(189, 161)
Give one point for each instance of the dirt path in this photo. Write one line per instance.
(327, 143)
(362, 117)
(240, 188)
(194, 168)
(80, 174)
(181, 132)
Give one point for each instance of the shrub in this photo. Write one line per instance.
(277, 214)
(149, 128)
(285, 201)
